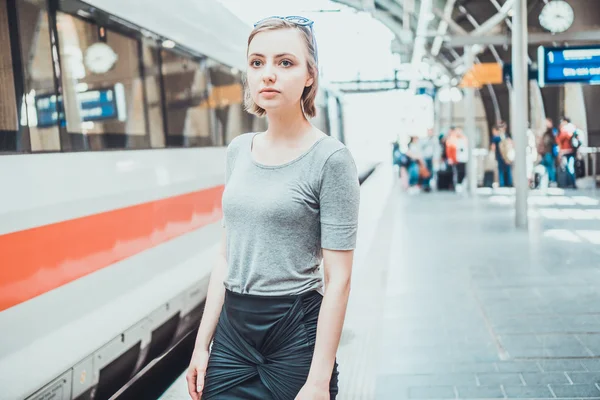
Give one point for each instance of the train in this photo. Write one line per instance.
(115, 120)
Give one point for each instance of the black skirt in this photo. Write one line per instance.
(263, 347)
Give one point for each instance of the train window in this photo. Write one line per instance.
(102, 87)
(40, 104)
(227, 98)
(8, 103)
(189, 120)
(153, 97)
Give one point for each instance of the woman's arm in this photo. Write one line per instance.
(214, 298)
(338, 271)
(210, 317)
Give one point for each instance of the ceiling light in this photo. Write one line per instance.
(168, 44)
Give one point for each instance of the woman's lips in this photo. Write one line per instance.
(269, 93)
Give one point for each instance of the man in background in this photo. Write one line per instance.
(504, 150)
(457, 150)
(429, 149)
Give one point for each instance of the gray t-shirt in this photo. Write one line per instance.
(279, 218)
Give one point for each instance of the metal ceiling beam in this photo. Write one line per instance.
(499, 7)
(534, 38)
(425, 7)
(442, 28)
(393, 7)
(477, 27)
(451, 23)
(493, 21)
(392, 20)
(393, 26)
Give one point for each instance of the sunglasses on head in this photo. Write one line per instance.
(296, 19)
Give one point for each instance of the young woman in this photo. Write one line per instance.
(290, 202)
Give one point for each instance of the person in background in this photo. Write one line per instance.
(458, 154)
(402, 161)
(442, 146)
(414, 153)
(429, 149)
(502, 147)
(566, 149)
(546, 149)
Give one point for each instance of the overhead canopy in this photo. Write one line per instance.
(438, 29)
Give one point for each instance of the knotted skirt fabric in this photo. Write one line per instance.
(263, 347)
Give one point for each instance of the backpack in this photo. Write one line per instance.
(575, 141)
(400, 158)
(507, 150)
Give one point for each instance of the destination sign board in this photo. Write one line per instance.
(560, 65)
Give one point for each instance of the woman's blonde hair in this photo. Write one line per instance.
(310, 92)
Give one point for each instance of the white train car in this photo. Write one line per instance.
(114, 117)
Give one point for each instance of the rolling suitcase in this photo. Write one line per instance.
(444, 179)
(562, 178)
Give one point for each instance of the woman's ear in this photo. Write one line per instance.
(309, 81)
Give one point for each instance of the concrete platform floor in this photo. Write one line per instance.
(453, 302)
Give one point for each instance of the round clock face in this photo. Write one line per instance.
(100, 58)
(557, 16)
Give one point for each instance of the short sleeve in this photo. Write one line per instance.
(229, 163)
(339, 199)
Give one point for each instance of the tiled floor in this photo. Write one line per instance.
(453, 302)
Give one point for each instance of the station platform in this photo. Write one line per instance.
(450, 301)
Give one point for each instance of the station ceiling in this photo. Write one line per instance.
(467, 15)
(463, 17)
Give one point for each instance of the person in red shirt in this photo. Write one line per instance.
(457, 153)
(566, 150)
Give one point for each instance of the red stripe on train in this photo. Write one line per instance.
(37, 260)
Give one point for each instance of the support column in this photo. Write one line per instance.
(470, 128)
(519, 110)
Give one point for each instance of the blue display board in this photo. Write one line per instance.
(94, 105)
(560, 65)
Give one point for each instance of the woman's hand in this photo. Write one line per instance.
(196, 372)
(312, 391)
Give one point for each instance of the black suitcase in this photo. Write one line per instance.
(562, 178)
(444, 179)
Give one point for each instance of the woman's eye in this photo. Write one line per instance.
(286, 63)
(255, 63)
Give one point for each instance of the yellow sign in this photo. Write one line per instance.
(482, 74)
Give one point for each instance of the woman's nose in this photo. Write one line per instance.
(269, 74)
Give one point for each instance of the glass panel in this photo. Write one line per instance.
(186, 92)
(227, 98)
(154, 105)
(8, 103)
(39, 76)
(103, 92)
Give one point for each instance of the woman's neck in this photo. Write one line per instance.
(287, 125)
